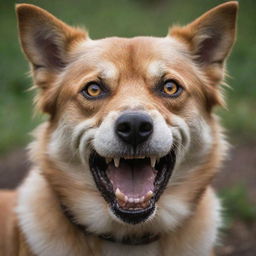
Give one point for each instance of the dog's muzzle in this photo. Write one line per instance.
(132, 183)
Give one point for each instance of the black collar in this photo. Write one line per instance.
(147, 238)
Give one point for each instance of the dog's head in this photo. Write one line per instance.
(131, 136)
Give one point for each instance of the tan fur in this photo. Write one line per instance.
(63, 59)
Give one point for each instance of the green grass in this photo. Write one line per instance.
(237, 206)
(123, 18)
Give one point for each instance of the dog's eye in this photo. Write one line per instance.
(92, 90)
(171, 88)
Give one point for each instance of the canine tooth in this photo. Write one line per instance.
(119, 194)
(153, 161)
(148, 195)
(116, 162)
(126, 199)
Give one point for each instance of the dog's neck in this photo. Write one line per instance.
(48, 230)
(144, 239)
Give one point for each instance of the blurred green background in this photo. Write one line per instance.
(128, 18)
(124, 18)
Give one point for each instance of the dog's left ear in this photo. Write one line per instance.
(210, 38)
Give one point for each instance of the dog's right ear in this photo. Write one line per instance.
(47, 42)
(45, 39)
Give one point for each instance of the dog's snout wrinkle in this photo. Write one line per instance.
(134, 128)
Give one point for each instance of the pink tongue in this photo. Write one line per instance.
(134, 180)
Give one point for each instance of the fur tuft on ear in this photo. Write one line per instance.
(210, 38)
(44, 38)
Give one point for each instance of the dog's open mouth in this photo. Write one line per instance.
(132, 185)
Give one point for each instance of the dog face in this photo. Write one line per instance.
(131, 121)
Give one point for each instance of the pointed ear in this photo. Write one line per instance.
(45, 39)
(47, 42)
(210, 38)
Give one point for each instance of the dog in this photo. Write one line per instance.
(124, 163)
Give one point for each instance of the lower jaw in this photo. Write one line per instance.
(135, 216)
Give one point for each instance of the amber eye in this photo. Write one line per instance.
(171, 88)
(92, 90)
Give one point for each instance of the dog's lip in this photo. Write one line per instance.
(122, 208)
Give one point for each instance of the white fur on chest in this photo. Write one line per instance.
(46, 236)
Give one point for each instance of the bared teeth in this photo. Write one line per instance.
(120, 195)
(131, 200)
(148, 195)
(142, 199)
(153, 161)
(133, 203)
(116, 161)
(136, 200)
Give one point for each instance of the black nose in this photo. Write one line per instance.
(134, 128)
